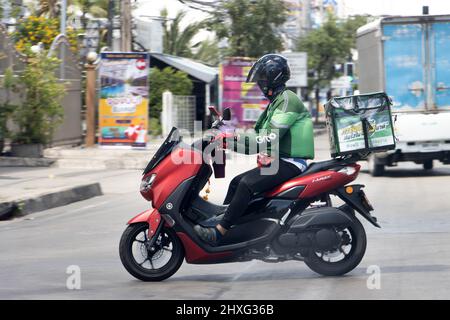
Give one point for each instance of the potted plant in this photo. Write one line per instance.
(40, 111)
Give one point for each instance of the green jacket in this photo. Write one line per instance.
(289, 121)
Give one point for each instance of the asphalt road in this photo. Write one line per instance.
(411, 251)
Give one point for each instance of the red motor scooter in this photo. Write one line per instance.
(294, 221)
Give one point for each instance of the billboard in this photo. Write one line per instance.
(123, 107)
(245, 100)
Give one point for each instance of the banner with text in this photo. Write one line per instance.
(123, 107)
(245, 100)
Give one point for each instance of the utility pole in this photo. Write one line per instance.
(125, 28)
(306, 21)
(63, 17)
(110, 24)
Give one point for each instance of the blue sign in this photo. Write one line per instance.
(403, 66)
(441, 37)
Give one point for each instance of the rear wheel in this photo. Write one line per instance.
(150, 263)
(345, 257)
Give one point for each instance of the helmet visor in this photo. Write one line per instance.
(256, 73)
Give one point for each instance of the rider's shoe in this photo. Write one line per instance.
(208, 235)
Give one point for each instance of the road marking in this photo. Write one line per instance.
(90, 206)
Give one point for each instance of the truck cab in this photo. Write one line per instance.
(408, 58)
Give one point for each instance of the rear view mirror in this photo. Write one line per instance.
(226, 114)
(214, 111)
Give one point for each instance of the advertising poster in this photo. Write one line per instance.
(123, 107)
(245, 100)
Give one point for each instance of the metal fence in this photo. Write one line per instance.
(179, 112)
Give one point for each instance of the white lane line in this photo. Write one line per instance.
(90, 206)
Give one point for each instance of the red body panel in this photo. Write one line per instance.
(317, 183)
(152, 217)
(195, 254)
(180, 165)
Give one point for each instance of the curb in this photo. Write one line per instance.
(51, 200)
(25, 162)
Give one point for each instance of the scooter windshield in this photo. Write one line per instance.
(166, 148)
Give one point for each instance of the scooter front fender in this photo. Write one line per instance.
(150, 216)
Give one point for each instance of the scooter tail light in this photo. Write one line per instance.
(147, 182)
(348, 170)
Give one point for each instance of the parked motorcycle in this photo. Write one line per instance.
(294, 221)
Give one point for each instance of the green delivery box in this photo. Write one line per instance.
(360, 124)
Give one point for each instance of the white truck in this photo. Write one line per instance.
(409, 59)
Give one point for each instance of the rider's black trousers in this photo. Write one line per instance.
(243, 186)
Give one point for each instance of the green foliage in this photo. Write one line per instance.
(97, 8)
(326, 46)
(351, 24)
(208, 52)
(40, 111)
(154, 127)
(249, 26)
(176, 82)
(330, 45)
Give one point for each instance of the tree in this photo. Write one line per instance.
(251, 27)
(48, 8)
(176, 82)
(177, 41)
(351, 24)
(327, 46)
(51, 8)
(208, 52)
(96, 8)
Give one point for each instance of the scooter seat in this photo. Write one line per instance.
(320, 166)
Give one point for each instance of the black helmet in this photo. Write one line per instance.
(270, 72)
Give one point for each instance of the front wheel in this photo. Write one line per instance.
(346, 257)
(155, 263)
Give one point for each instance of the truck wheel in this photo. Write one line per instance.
(428, 165)
(375, 169)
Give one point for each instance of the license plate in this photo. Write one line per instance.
(430, 146)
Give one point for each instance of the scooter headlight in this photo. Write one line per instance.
(147, 182)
